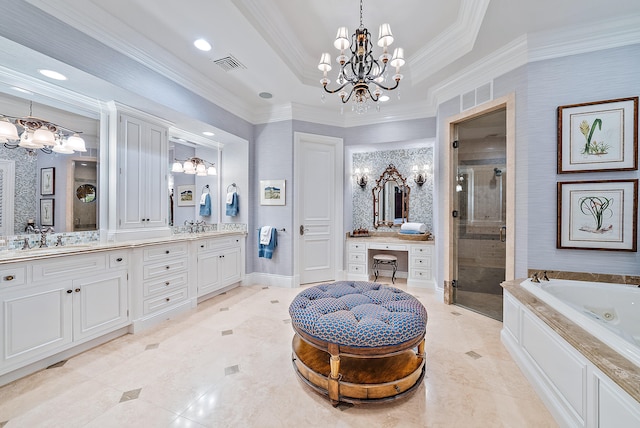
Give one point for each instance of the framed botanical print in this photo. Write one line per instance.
(598, 215)
(598, 136)
(47, 181)
(47, 212)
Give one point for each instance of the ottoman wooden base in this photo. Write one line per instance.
(361, 380)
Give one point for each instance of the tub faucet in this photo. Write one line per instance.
(544, 276)
(535, 278)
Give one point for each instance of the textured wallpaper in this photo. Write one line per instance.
(420, 197)
(26, 185)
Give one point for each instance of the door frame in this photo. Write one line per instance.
(338, 241)
(507, 102)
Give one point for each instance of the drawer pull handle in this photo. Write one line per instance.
(166, 252)
(202, 246)
(167, 267)
(167, 299)
(167, 283)
(77, 290)
(9, 278)
(119, 259)
(69, 291)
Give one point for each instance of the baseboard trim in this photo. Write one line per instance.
(270, 280)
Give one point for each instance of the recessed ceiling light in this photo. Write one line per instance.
(53, 74)
(24, 91)
(208, 134)
(383, 98)
(202, 44)
(265, 95)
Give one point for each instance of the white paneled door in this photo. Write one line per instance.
(319, 205)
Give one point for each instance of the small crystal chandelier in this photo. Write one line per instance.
(39, 134)
(361, 70)
(195, 166)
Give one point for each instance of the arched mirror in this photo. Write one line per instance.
(390, 199)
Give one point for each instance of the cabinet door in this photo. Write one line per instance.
(209, 272)
(230, 266)
(35, 322)
(131, 173)
(100, 304)
(156, 193)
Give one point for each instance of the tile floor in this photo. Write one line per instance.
(228, 364)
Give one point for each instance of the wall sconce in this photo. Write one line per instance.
(459, 180)
(420, 176)
(361, 177)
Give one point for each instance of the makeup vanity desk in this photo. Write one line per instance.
(416, 259)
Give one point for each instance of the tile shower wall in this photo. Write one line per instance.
(420, 197)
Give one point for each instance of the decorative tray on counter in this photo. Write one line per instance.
(414, 237)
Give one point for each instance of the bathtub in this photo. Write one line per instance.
(610, 312)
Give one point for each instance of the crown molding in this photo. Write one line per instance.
(107, 29)
(177, 134)
(50, 94)
(501, 61)
(578, 39)
(456, 41)
(277, 32)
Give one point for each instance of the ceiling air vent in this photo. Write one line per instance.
(229, 63)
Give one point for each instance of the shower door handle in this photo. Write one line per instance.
(503, 234)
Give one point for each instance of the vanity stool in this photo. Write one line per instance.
(358, 341)
(385, 259)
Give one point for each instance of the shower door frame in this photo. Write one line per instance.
(508, 103)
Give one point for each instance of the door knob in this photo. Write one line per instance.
(503, 234)
(303, 229)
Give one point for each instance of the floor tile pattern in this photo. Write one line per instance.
(197, 377)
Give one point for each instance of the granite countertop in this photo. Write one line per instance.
(622, 371)
(11, 256)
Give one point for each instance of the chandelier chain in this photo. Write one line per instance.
(361, 24)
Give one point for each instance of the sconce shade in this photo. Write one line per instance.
(43, 137)
(76, 143)
(177, 167)
(398, 58)
(8, 131)
(212, 171)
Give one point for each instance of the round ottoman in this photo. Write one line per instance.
(358, 341)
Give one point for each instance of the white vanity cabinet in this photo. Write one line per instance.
(220, 263)
(419, 258)
(161, 274)
(57, 303)
(142, 173)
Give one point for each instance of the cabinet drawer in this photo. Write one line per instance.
(359, 246)
(421, 274)
(422, 250)
(165, 252)
(390, 247)
(74, 266)
(165, 284)
(118, 260)
(357, 257)
(153, 271)
(165, 301)
(218, 243)
(357, 268)
(421, 262)
(13, 276)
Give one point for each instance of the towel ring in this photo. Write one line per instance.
(232, 185)
(206, 187)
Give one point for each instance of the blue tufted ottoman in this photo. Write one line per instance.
(358, 341)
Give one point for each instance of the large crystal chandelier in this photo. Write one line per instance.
(39, 134)
(362, 77)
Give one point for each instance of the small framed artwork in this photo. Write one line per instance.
(598, 215)
(187, 195)
(47, 181)
(272, 192)
(598, 136)
(47, 212)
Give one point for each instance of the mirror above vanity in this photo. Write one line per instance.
(390, 199)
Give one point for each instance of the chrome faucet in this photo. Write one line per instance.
(43, 235)
(544, 276)
(189, 224)
(25, 244)
(535, 278)
(200, 225)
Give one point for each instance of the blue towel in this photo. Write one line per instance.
(266, 251)
(205, 209)
(232, 208)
